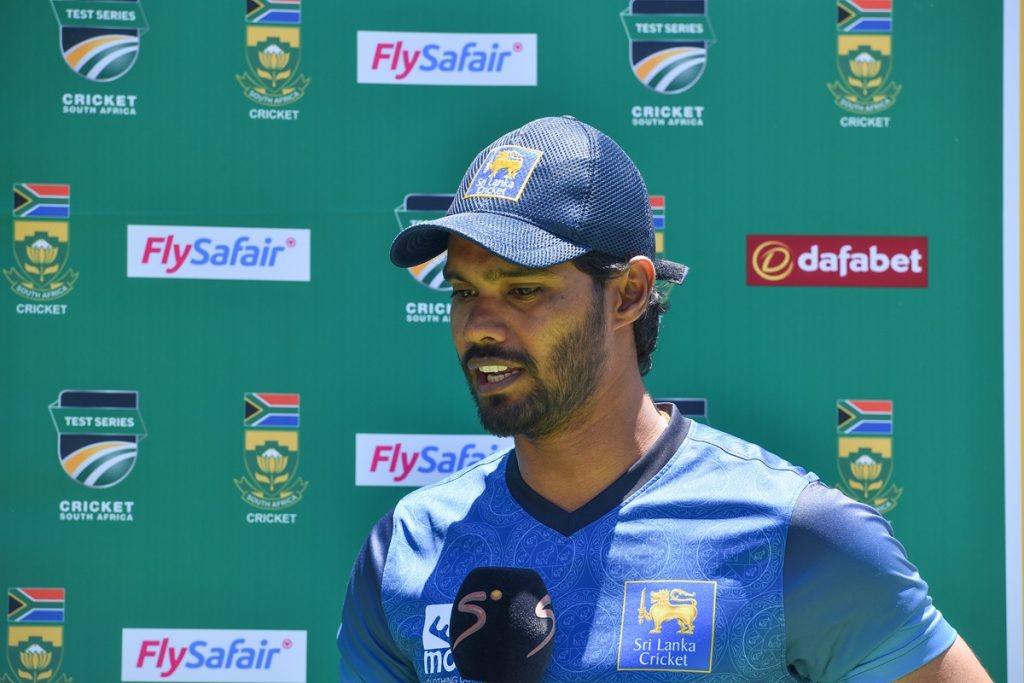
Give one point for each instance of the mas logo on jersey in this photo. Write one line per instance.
(98, 433)
(420, 208)
(668, 42)
(273, 50)
(100, 39)
(41, 245)
(437, 650)
(864, 59)
(271, 455)
(865, 461)
(35, 635)
(667, 626)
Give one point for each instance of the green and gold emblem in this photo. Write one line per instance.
(41, 242)
(271, 452)
(273, 53)
(865, 471)
(865, 84)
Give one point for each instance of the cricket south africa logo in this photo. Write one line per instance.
(667, 626)
(35, 635)
(100, 39)
(41, 242)
(273, 50)
(98, 434)
(668, 42)
(271, 453)
(864, 57)
(865, 429)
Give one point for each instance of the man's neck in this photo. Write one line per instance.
(611, 433)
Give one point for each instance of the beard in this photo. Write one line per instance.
(575, 368)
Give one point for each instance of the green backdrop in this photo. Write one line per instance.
(772, 157)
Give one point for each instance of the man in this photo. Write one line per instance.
(670, 550)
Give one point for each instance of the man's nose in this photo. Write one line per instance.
(483, 323)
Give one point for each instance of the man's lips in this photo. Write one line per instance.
(491, 375)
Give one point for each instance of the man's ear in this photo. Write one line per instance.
(632, 291)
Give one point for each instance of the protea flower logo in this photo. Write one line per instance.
(41, 244)
(668, 42)
(420, 208)
(98, 38)
(98, 435)
(865, 461)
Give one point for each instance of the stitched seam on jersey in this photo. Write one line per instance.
(754, 459)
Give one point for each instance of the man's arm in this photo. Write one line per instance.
(956, 665)
(369, 654)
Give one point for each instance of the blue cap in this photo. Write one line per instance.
(544, 194)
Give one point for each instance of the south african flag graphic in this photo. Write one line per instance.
(668, 42)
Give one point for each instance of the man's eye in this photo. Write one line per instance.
(524, 291)
(461, 293)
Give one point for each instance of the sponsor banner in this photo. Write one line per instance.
(216, 253)
(412, 58)
(213, 655)
(837, 261)
(420, 459)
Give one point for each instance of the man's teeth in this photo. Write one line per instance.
(491, 369)
(496, 373)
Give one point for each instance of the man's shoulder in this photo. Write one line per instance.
(456, 491)
(729, 450)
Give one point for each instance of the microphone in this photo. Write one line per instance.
(502, 626)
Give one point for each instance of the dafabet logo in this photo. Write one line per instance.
(837, 261)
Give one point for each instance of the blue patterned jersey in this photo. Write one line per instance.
(683, 569)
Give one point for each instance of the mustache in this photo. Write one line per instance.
(517, 357)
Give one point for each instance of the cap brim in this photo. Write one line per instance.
(513, 239)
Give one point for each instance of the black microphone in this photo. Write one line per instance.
(502, 626)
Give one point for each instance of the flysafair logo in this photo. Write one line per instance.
(668, 42)
(214, 253)
(865, 429)
(864, 57)
(98, 433)
(414, 58)
(419, 459)
(100, 38)
(273, 49)
(420, 208)
(35, 635)
(667, 626)
(271, 455)
(207, 655)
(41, 242)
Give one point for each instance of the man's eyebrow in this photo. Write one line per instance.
(495, 274)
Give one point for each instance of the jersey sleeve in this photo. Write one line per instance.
(368, 652)
(856, 609)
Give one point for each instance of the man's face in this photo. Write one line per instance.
(531, 342)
